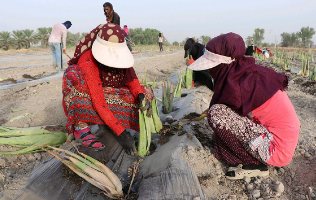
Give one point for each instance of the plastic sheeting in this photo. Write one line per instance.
(162, 175)
(48, 182)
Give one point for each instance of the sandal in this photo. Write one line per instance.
(90, 141)
(241, 173)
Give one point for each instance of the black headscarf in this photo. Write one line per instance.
(187, 46)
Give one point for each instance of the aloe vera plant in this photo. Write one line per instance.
(177, 90)
(167, 97)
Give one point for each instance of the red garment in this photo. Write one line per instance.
(279, 117)
(242, 85)
(189, 62)
(90, 70)
(258, 50)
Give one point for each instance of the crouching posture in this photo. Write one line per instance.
(253, 120)
(100, 87)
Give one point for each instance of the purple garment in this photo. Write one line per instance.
(242, 85)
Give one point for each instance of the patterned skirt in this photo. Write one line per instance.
(78, 105)
(239, 140)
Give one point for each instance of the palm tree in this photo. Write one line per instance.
(5, 40)
(29, 37)
(43, 35)
(19, 38)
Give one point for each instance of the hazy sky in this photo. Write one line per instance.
(177, 19)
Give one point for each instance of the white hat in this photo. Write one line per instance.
(110, 49)
(209, 60)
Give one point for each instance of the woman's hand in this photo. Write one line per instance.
(128, 143)
(144, 105)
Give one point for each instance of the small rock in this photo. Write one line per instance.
(191, 153)
(197, 198)
(168, 119)
(26, 125)
(2, 162)
(249, 186)
(307, 155)
(192, 123)
(278, 187)
(275, 171)
(267, 181)
(202, 151)
(302, 196)
(310, 190)
(313, 195)
(301, 151)
(37, 156)
(2, 178)
(256, 193)
(247, 179)
(31, 158)
(281, 170)
(292, 175)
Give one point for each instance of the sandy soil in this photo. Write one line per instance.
(39, 104)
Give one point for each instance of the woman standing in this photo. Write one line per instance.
(253, 120)
(100, 87)
(127, 38)
(160, 41)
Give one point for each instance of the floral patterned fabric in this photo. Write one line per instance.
(79, 107)
(233, 134)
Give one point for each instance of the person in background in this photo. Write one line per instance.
(111, 16)
(54, 42)
(160, 41)
(253, 119)
(265, 53)
(249, 50)
(196, 50)
(127, 38)
(100, 86)
(257, 50)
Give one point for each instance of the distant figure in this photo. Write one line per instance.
(127, 38)
(59, 30)
(196, 50)
(111, 16)
(249, 50)
(266, 52)
(257, 50)
(160, 41)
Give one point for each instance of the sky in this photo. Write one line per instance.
(177, 19)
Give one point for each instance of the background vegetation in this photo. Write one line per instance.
(25, 39)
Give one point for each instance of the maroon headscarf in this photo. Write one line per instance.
(242, 85)
(110, 77)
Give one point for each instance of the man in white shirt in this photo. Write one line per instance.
(59, 30)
